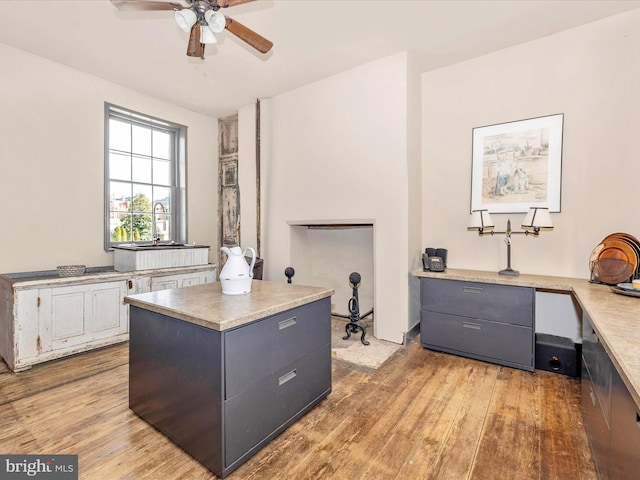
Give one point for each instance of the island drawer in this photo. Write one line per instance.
(501, 343)
(500, 303)
(256, 414)
(252, 354)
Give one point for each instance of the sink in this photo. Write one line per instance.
(129, 257)
(158, 246)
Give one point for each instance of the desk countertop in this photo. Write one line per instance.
(207, 306)
(616, 318)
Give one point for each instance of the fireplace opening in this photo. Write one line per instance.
(326, 254)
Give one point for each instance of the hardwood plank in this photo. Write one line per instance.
(40, 377)
(562, 430)
(454, 431)
(422, 415)
(513, 422)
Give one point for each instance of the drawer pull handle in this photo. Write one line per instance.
(289, 322)
(474, 290)
(286, 377)
(473, 326)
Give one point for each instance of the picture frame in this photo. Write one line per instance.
(517, 165)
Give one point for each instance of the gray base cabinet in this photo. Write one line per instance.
(221, 396)
(609, 413)
(489, 322)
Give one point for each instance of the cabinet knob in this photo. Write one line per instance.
(130, 284)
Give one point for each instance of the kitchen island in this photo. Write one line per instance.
(222, 375)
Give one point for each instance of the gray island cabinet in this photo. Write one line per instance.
(222, 375)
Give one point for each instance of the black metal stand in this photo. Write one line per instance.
(289, 272)
(507, 240)
(509, 270)
(355, 319)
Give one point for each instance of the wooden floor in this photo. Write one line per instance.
(422, 415)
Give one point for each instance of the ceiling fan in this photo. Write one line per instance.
(203, 20)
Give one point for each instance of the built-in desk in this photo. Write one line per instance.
(615, 318)
(611, 354)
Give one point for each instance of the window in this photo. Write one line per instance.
(145, 184)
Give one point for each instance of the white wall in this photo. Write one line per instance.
(338, 149)
(52, 163)
(591, 74)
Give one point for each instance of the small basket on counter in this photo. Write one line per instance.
(71, 270)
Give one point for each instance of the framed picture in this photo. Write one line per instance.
(517, 165)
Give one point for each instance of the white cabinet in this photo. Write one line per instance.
(43, 316)
(51, 322)
(165, 282)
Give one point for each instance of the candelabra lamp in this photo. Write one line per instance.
(537, 219)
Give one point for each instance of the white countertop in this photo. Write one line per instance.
(616, 318)
(207, 306)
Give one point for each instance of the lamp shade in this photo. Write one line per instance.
(186, 19)
(206, 35)
(215, 20)
(480, 220)
(537, 218)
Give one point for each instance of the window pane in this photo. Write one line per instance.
(161, 172)
(161, 145)
(141, 199)
(120, 192)
(119, 166)
(162, 222)
(141, 227)
(162, 199)
(117, 229)
(141, 169)
(163, 226)
(141, 140)
(119, 135)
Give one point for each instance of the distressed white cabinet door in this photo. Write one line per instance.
(83, 313)
(28, 334)
(183, 280)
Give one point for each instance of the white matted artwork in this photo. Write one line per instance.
(517, 165)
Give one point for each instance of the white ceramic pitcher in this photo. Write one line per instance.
(236, 275)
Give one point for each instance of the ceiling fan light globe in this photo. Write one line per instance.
(207, 36)
(215, 20)
(186, 19)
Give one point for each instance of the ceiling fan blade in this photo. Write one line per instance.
(138, 5)
(249, 36)
(195, 48)
(232, 3)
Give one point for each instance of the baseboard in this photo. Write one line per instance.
(411, 334)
